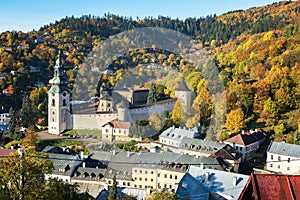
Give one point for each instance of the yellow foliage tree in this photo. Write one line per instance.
(235, 121)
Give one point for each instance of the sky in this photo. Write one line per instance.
(26, 15)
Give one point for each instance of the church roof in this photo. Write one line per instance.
(182, 86)
(59, 81)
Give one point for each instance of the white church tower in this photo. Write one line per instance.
(58, 100)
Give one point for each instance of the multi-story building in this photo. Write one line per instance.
(247, 143)
(283, 158)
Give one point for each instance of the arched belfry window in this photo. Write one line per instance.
(64, 102)
(53, 102)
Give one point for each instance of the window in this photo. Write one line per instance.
(288, 168)
(124, 183)
(175, 177)
(135, 171)
(165, 175)
(271, 157)
(53, 102)
(171, 177)
(140, 178)
(152, 172)
(106, 130)
(278, 166)
(146, 172)
(146, 179)
(128, 184)
(140, 186)
(289, 160)
(151, 179)
(109, 182)
(135, 178)
(135, 186)
(271, 165)
(141, 171)
(64, 102)
(108, 105)
(158, 175)
(279, 158)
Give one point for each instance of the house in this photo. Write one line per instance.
(33, 69)
(64, 162)
(140, 194)
(6, 152)
(150, 170)
(116, 131)
(227, 156)
(201, 183)
(247, 144)
(173, 136)
(283, 158)
(4, 114)
(271, 186)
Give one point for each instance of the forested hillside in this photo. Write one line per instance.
(257, 52)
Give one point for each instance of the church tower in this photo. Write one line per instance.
(58, 100)
(183, 93)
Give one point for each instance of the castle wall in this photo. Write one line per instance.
(91, 121)
(144, 113)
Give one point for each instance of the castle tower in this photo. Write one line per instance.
(58, 100)
(183, 93)
(123, 112)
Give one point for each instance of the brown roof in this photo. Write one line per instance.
(245, 139)
(5, 152)
(271, 186)
(119, 124)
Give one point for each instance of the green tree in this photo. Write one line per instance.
(235, 121)
(153, 95)
(113, 190)
(28, 113)
(162, 195)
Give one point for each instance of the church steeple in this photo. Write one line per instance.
(59, 81)
(58, 100)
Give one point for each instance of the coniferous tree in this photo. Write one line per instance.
(113, 190)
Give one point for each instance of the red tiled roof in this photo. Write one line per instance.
(245, 139)
(119, 124)
(5, 152)
(271, 186)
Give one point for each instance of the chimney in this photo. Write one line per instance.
(128, 154)
(114, 152)
(201, 166)
(243, 132)
(234, 181)
(207, 176)
(106, 186)
(81, 155)
(83, 164)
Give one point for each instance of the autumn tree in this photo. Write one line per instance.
(162, 195)
(155, 121)
(177, 113)
(235, 121)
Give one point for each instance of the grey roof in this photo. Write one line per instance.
(85, 173)
(122, 192)
(178, 134)
(63, 164)
(122, 162)
(191, 188)
(57, 150)
(282, 148)
(205, 146)
(182, 87)
(220, 182)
